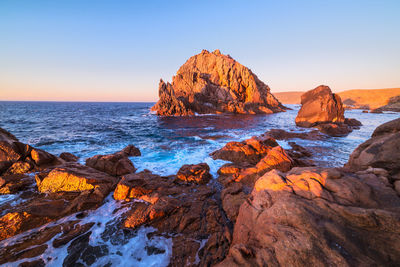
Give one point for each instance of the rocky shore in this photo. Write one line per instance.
(268, 206)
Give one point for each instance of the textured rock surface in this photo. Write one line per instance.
(195, 173)
(75, 178)
(251, 159)
(382, 150)
(324, 110)
(280, 134)
(317, 217)
(188, 212)
(248, 151)
(18, 159)
(69, 157)
(215, 83)
(320, 105)
(115, 164)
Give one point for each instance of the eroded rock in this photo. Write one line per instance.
(188, 212)
(215, 83)
(194, 173)
(319, 217)
(320, 105)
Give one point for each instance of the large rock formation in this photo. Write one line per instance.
(215, 83)
(324, 110)
(325, 216)
(320, 105)
(317, 217)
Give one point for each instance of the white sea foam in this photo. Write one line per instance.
(122, 251)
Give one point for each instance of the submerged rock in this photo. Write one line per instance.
(215, 83)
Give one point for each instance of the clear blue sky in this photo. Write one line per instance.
(118, 50)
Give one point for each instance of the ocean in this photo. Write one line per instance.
(166, 143)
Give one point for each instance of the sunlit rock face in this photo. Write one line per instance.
(320, 105)
(250, 159)
(317, 217)
(215, 83)
(325, 216)
(324, 110)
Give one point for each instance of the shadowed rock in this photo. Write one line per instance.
(188, 212)
(382, 150)
(115, 164)
(69, 157)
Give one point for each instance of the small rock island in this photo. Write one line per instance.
(215, 83)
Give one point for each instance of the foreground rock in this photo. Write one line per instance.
(325, 216)
(69, 157)
(115, 164)
(324, 110)
(318, 217)
(17, 157)
(63, 190)
(187, 212)
(251, 159)
(197, 173)
(215, 83)
(382, 150)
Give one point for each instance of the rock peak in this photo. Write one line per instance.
(215, 83)
(217, 52)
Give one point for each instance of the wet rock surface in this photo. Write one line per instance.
(214, 83)
(189, 213)
(115, 164)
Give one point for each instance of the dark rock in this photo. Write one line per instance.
(69, 157)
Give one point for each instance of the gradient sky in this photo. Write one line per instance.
(118, 50)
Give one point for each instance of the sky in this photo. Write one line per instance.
(94, 50)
